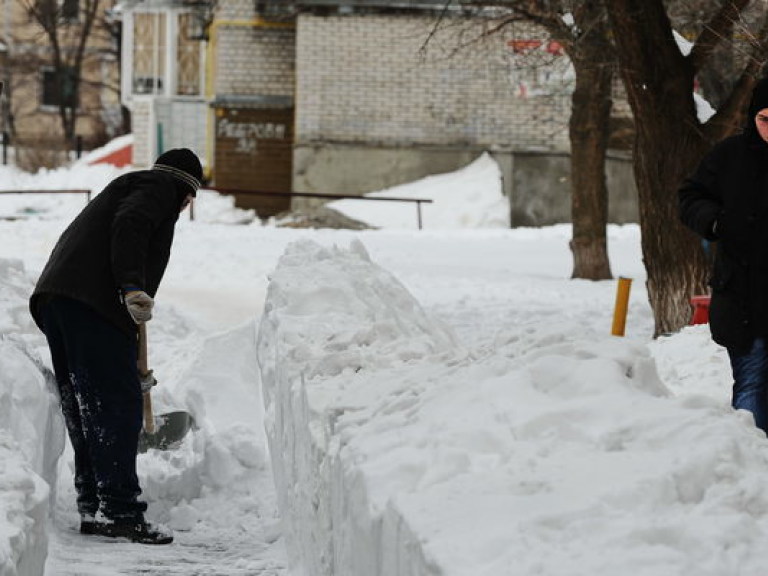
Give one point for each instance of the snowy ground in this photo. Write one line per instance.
(491, 416)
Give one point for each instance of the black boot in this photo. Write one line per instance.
(133, 529)
(87, 523)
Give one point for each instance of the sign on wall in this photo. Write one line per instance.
(254, 152)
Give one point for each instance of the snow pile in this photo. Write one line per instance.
(31, 431)
(214, 208)
(23, 511)
(216, 381)
(331, 316)
(558, 451)
(468, 198)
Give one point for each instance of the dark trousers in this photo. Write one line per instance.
(750, 381)
(95, 367)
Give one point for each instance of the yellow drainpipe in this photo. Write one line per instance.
(210, 73)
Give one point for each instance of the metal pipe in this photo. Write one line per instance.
(418, 211)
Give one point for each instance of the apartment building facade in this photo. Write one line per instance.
(350, 97)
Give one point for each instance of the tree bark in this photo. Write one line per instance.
(586, 41)
(588, 129)
(670, 141)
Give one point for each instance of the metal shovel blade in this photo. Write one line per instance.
(170, 430)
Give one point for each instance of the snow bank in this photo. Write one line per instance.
(216, 380)
(471, 197)
(332, 316)
(31, 431)
(558, 451)
(23, 510)
(51, 206)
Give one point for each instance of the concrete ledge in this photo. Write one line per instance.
(536, 182)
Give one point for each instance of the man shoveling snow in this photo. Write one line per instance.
(97, 287)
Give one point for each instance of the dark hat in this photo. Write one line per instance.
(759, 99)
(183, 164)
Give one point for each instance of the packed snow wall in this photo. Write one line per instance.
(549, 449)
(333, 323)
(31, 431)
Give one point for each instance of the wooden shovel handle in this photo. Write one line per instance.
(143, 365)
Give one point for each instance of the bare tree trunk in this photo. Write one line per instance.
(589, 122)
(67, 44)
(669, 143)
(586, 41)
(674, 261)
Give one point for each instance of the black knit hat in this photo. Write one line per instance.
(183, 164)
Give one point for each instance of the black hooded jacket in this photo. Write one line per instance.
(122, 238)
(726, 200)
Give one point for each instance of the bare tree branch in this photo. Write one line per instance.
(722, 123)
(435, 28)
(67, 43)
(719, 27)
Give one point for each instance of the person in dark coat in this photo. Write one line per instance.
(726, 201)
(98, 285)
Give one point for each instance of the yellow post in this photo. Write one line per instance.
(622, 304)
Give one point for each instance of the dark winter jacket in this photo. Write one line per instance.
(122, 238)
(726, 200)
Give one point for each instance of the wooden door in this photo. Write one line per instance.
(254, 152)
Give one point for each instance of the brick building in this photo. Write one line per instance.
(350, 96)
(34, 90)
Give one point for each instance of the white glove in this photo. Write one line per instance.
(147, 381)
(139, 305)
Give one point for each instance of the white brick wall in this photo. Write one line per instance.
(235, 10)
(142, 138)
(366, 78)
(255, 60)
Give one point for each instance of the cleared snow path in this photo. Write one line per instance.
(192, 554)
(208, 550)
(215, 490)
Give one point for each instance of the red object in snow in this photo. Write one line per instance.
(700, 309)
(120, 157)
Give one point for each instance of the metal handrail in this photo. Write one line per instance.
(53, 191)
(232, 191)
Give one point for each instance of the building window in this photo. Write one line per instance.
(155, 36)
(149, 49)
(187, 58)
(59, 88)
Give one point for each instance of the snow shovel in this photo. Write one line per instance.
(164, 431)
